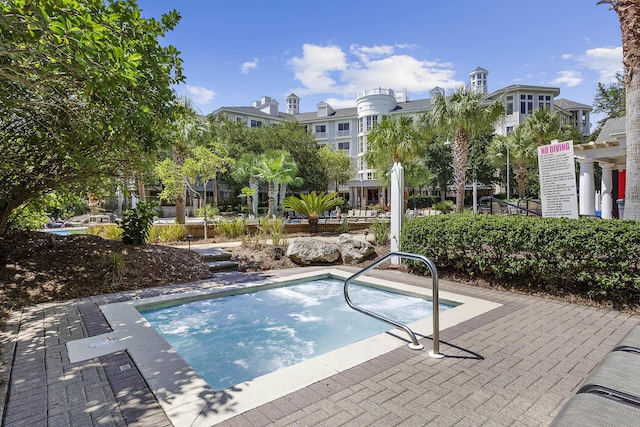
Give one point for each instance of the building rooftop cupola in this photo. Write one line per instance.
(293, 104)
(478, 80)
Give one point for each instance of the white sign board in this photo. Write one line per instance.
(557, 171)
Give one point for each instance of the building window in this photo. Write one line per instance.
(509, 129)
(321, 131)
(544, 101)
(343, 129)
(256, 123)
(370, 122)
(526, 104)
(509, 104)
(343, 145)
(361, 144)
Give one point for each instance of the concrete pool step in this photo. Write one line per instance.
(223, 265)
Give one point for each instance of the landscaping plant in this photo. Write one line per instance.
(137, 222)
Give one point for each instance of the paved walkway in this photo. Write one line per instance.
(515, 365)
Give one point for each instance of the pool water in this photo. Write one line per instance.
(236, 338)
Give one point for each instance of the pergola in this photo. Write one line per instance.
(610, 151)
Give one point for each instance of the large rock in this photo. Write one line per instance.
(354, 250)
(310, 251)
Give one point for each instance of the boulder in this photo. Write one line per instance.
(354, 250)
(310, 251)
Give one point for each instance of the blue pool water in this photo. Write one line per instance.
(236, 338)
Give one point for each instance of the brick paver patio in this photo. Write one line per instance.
(515, 365)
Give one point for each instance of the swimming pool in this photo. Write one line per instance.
(252, 334)
(186, 397)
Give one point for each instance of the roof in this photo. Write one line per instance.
(252, 111)
(612, 127)
(352, 112)
(566, 104)
(524, 88)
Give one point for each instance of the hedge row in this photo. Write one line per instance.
(589, 256)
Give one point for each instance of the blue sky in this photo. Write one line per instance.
(235, 52)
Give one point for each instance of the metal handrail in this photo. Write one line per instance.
(507, 204)
(415, 345)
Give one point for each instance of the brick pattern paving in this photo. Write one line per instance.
(515, 365)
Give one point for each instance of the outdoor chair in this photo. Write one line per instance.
(588, 409)
(617, 375)
(610, 396)
(631, 341)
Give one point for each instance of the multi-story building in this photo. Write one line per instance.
(346, 129)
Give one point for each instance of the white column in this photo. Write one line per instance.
(606, 185)
(587, 188)
(397, 203)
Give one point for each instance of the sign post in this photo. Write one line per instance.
(557, 172)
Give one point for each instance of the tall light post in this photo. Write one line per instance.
(508, 171)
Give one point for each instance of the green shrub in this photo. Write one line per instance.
(344, 226)
(211, 211)
(137, 222)
(232, 229)
(381, 230)
(445, 207)
(274, 229)
(109, 232)
(588, 256)
(167, 233)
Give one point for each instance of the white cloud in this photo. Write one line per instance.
(607, 61)
(568, 78)
(364, 53)
(247, 66)
(331, 70)
(200, 95)
(314, 69)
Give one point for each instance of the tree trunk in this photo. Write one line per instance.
(629, 13)
(313, 225)
(180, 210)
(254, 185)
(460, 160)
(272, 191)
(521, 171)
(141, 190)
(215, 192)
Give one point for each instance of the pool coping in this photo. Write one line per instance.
(188, 400)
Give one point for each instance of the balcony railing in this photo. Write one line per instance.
(340, 133)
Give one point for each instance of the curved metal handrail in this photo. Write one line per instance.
(415, 345)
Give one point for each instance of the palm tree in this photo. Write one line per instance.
(465, 115)
(392, 140)
(188, 129)
(543, 125)
(274, 166)
(246, 169)
(522, 152)
(249, 193)
(312, 205)
(629, 13)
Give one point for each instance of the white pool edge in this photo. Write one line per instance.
(189, 401)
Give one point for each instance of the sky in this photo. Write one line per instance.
(236, 52)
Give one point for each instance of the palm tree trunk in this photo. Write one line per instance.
(629, 13)
(254, 185)
(272, 191)
(460, 160)
(521, 171)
